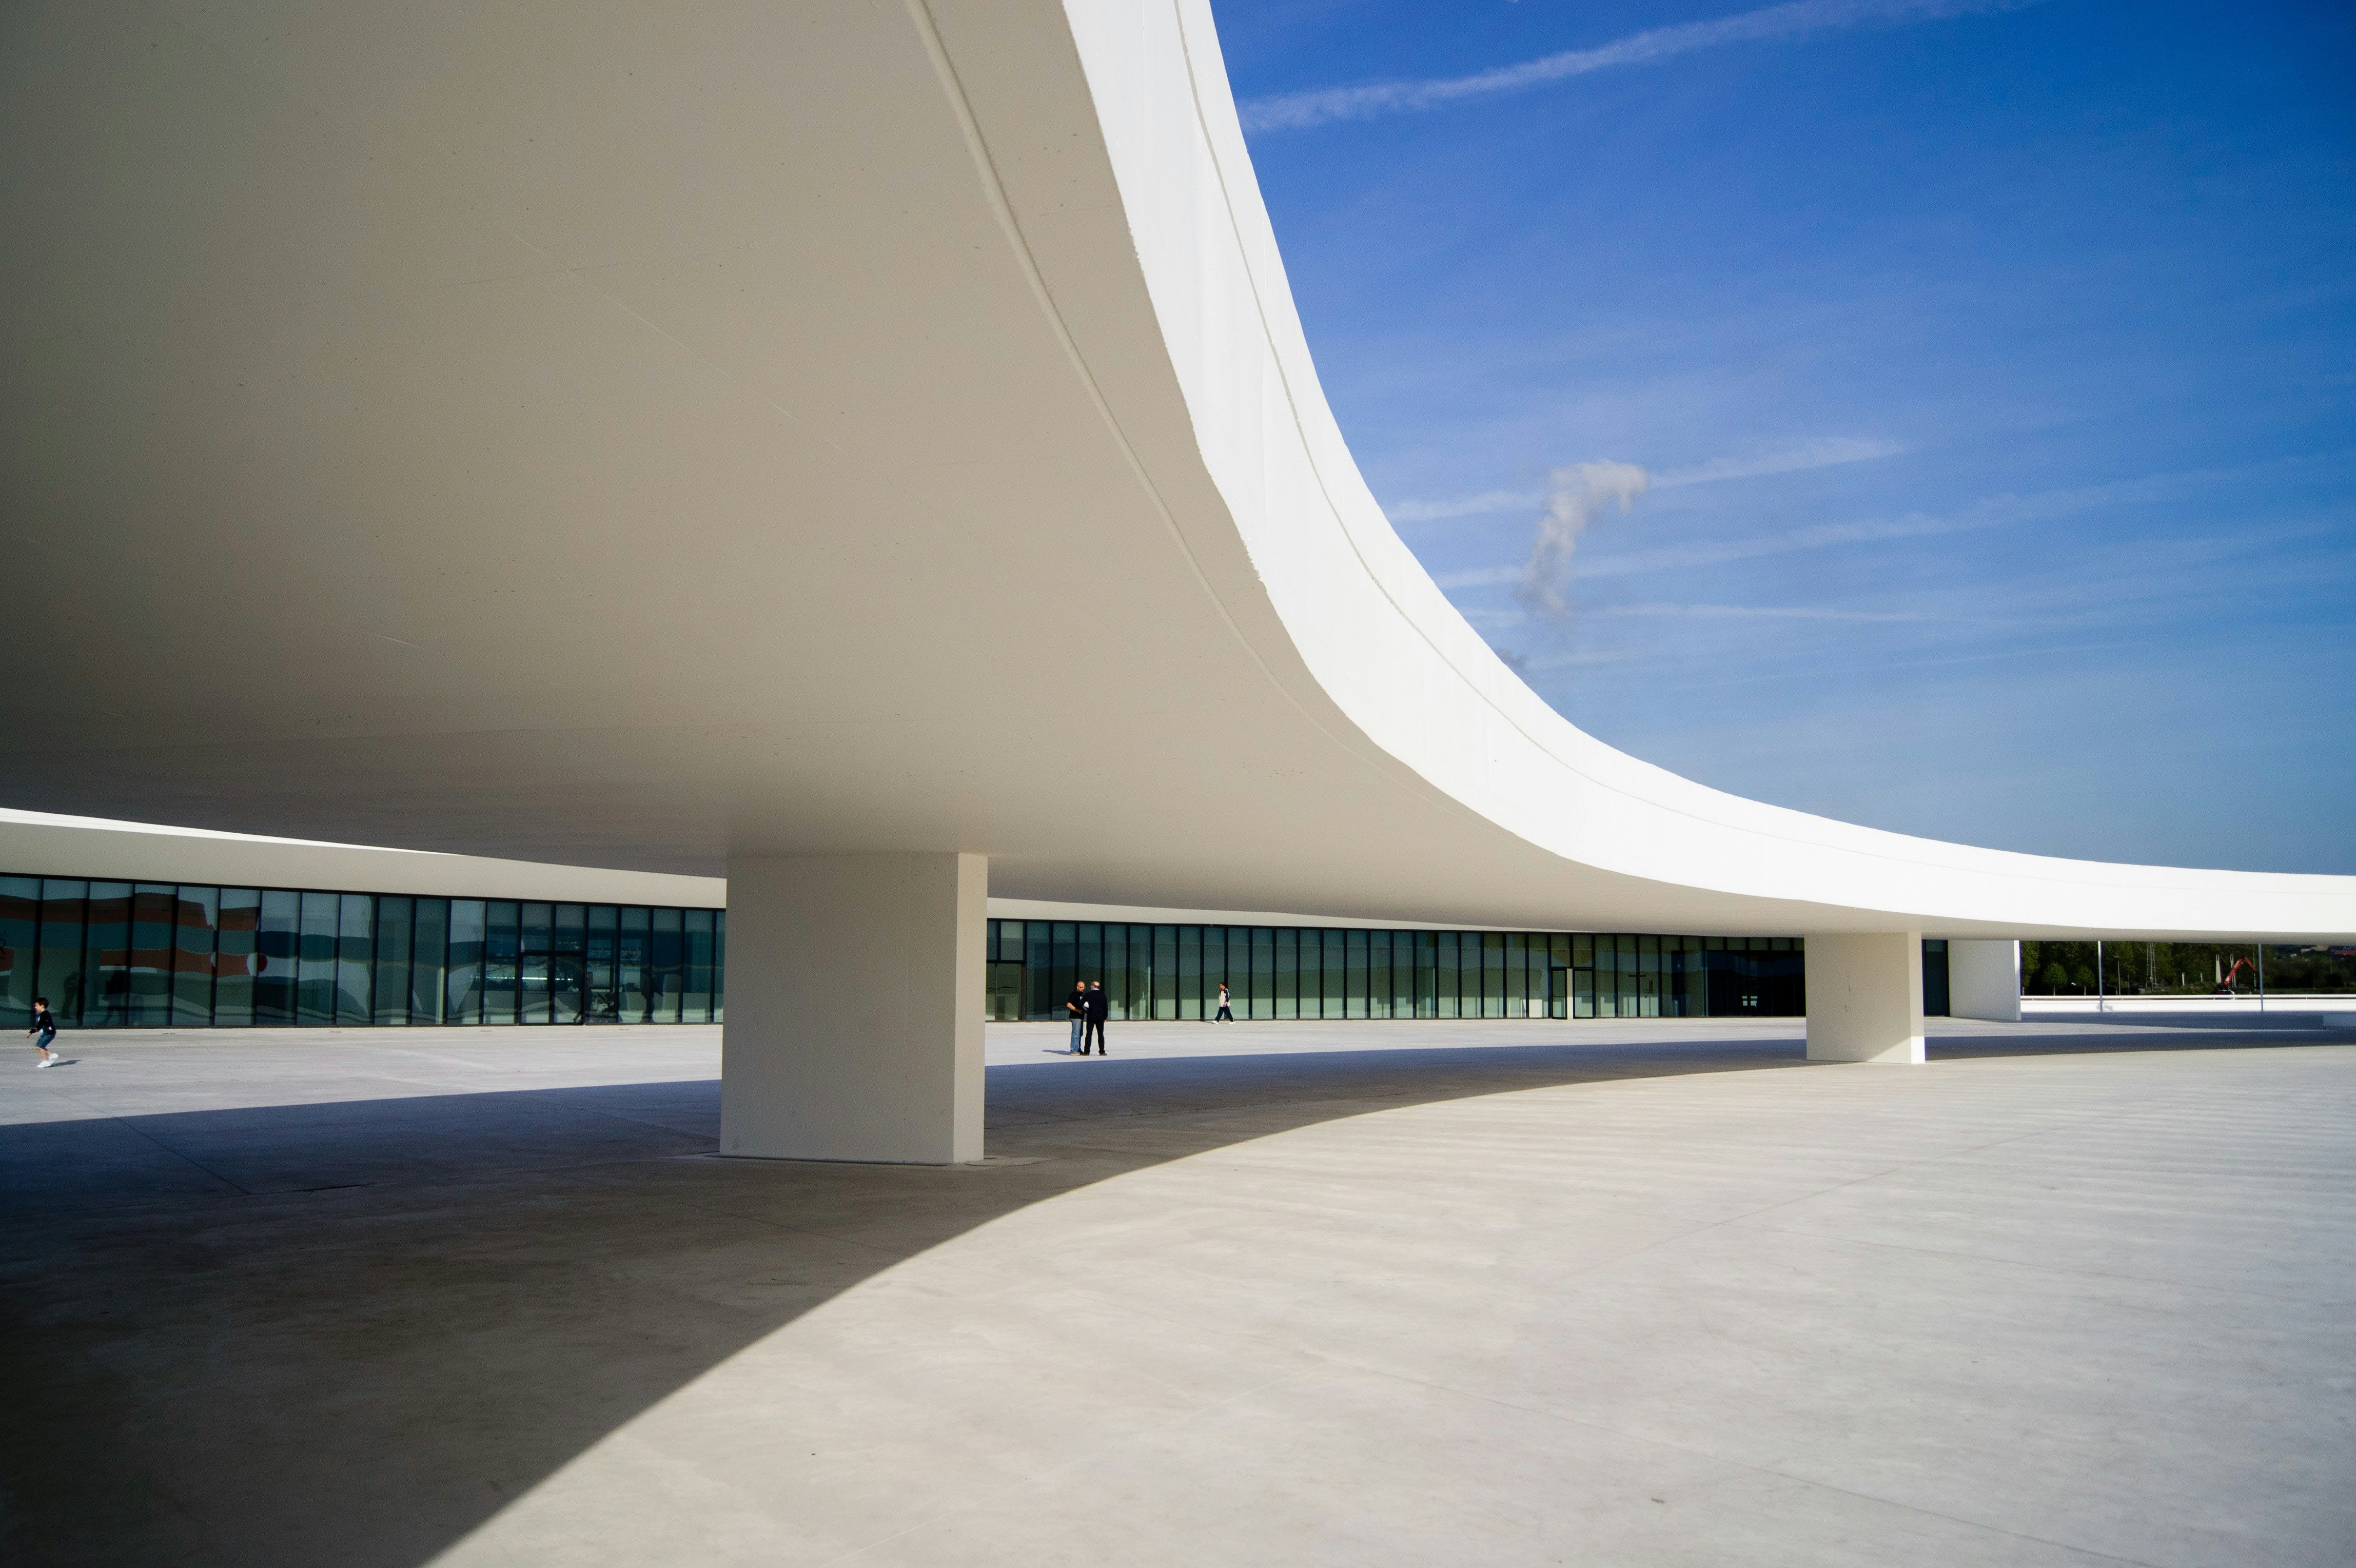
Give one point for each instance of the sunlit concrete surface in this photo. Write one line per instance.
(1651, 1292)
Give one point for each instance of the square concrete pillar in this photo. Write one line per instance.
(1865, 996)
(1983, 980)
(856, 999)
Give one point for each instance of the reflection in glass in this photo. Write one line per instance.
(429, 959)
(60, 971)
(633, 971)
(275, 946)
(195, 915)
(602, 950)
(464, 985)
(20, 949)
(502, 956)
(315, 959)
(670, 965)
(107, 956)
(235, 954)
(355, 948)
(568, 967)
(696, 1007)
(393, 920)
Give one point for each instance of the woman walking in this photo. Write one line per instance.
(1223, 1016)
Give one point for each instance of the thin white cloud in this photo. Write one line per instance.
(1993, 512)
(1825, 452)
(1767, 612)
(1464, 506)
(1830, 451)
(1294, 111)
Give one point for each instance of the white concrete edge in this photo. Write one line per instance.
(1401, 666)
(39, 844)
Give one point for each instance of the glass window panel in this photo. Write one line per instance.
(719, 966)
(58, 973)
(1313, 980)
(1066, 946)
(603, 953)
(1582, 953)
(20, 950)
(276, 964)
(1039, 971)
(1116, 967)
(535, 986)
(568, 969)
(463, 983)
(1189, 972)
(236, 954)
(671, 961)
(429, 959)
(1140, 972)
(1354, 973)
(315, 959)
(1378, 974)
(394, 917)
(196, 930)
(695, 1007)
(633, 965)
(1263, 972)
(571, 933)
(1214, 968)
(151, 955)
(1288, 973)
(1493, 974)
(106, 961)
(502, 960)
(355, 957)
(1165, 972)
(1517, 994)
(1445, 976)
(1427, 974)
(537, 927)
(1582, 994)
(1088, 950)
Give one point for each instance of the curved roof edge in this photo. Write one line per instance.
(1345, 617)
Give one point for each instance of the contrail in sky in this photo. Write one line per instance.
(1293, 110)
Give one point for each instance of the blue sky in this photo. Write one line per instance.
(1990, 369)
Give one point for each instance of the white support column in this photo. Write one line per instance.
(854, 1008)
(1865, 995)
(1983, 980)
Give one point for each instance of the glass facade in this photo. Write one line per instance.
(1288, 972)
(153, 955)
(122, 955)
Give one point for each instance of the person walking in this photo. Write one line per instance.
(44, 1030)
(1224, 1016)
(1076, 1004)
(1099, 1008)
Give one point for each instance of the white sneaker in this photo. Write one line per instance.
(46, 1060)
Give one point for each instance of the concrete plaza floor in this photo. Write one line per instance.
(1650, 1292)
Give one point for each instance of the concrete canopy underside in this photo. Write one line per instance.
(636, 437)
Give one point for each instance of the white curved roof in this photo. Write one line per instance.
(631, 439)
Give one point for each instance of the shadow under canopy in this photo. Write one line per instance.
(351, 1332)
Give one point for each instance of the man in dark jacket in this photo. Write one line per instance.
(1099, 1008)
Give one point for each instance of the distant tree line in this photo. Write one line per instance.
(2181, 969)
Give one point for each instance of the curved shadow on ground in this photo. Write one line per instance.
(350, 1333)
